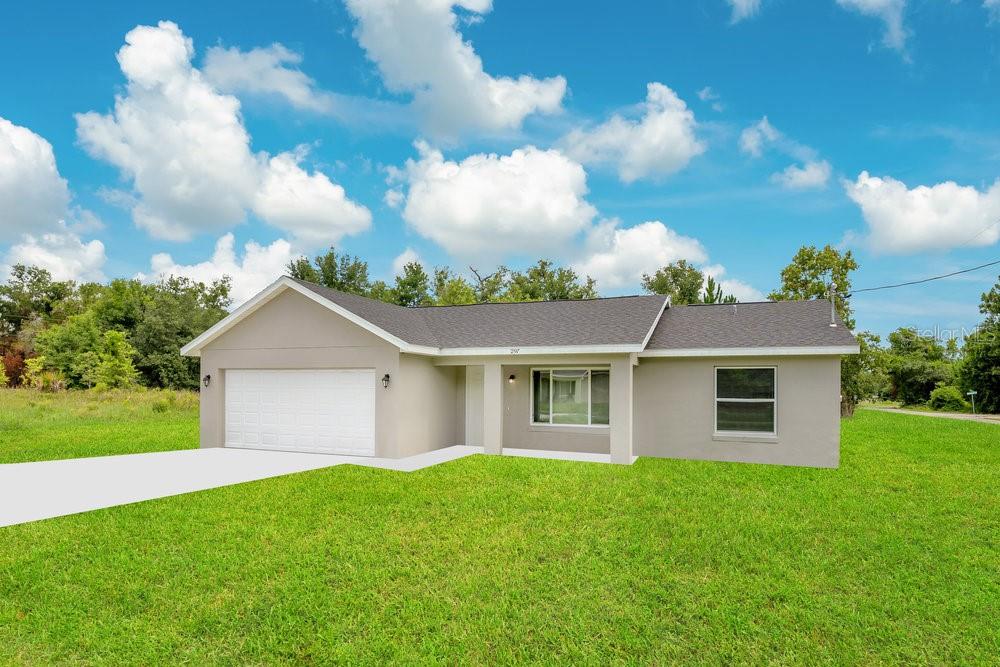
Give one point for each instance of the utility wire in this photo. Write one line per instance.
(923, 280)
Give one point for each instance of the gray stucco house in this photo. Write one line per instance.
(304, 368)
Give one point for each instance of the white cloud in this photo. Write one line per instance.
(815, 174)
(62, 253)
(889, 11)
(258, 268)
(708, 95)
(902, 220)
(744, 292)
(743, 9)
(33, 196)
(308, 206)
(658, 144)
(394, 198)
(271, 70)
(402, 259)
(487, 206)
(755, 138)
(419, 50)
(185, 149)
(617, 257)
(993, 7)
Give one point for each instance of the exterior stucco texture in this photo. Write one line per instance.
(674, 409)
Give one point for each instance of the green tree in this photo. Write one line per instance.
(176, 311)
(980, 368)
(713, 293)
(808, 277)
(916, 365)
(115, 369)
(546, 282)
(64, 345)
(413, 286)
(451, 289)
(492, 287)
(29, 293)
(679, 280)
(864, 375)
(346, 273)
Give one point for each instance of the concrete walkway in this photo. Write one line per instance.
(986, 419)
(45, 489)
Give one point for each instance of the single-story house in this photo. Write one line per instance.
(305, 368)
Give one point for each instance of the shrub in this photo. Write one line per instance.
(948, 397)
(3, 376)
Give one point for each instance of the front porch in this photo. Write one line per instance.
(553, 406)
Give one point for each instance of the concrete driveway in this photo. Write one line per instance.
(45, 489)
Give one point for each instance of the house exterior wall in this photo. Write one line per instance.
(428, 405)
(674, 411)
(293, 332)
(520, 433)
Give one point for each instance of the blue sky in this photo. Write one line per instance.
(727, 132)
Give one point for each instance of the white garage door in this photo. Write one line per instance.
(328, 411)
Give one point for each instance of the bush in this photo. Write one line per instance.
(947, 397)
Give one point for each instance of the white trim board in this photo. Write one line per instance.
(193, 349)
(753, 351)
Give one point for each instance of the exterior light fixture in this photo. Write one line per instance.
(206, 380)
(385, 380)
(511, 379)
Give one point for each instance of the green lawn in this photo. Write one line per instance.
(894, 558)
(39, 427)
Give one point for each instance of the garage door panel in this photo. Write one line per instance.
(330, 411)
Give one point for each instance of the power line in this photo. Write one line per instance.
(923, 280)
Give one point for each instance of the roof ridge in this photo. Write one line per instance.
(518, 303)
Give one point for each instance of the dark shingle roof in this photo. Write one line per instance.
(624, 320)
(760, 324)
(613, 321)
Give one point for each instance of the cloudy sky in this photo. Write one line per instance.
(143, 139)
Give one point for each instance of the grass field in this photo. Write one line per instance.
(893, 558)
(35, 426)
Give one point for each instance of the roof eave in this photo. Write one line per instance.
(774, 351)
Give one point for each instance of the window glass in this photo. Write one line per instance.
(570, 396)
(745, 383)
(600, 390)
(753, 417)
(540, 387)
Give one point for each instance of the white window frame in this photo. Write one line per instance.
(590, 396)
(774, 401)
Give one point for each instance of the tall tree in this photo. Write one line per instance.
(30, 293)
(451, 289)
(916, 365)
(413, 286)
(713, 293)
(546, 282)
(347, 273)
(980, 368)
(679, 280)
(808, 277)
(177, 311)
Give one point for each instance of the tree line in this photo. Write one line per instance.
(60, 334)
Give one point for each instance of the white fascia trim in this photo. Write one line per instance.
(649, 334)
(552, 349)
(193, 348)
(754, 351)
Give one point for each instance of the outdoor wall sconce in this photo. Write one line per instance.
(511, 379)
(206, 380)
(385, 380)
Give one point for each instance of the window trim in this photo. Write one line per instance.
(715, 405)
(590, 396)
